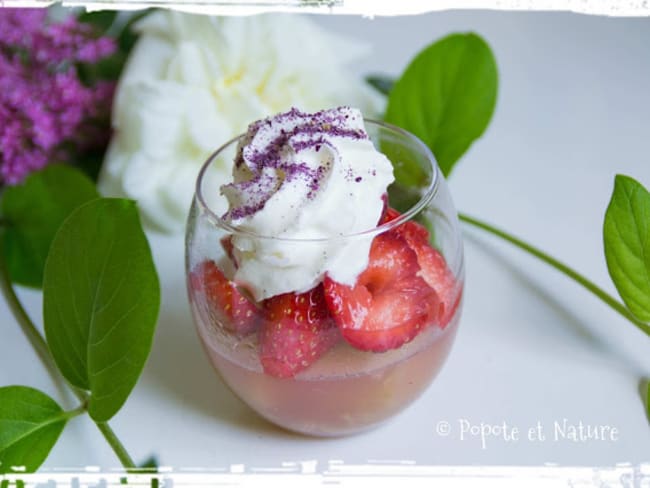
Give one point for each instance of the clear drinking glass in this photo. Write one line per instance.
(345, 389)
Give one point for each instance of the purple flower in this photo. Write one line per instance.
(46, 112)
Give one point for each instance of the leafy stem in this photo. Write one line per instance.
(40, 346)
(563, 268)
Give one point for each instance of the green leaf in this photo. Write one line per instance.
(446, 96)
(127, 38)
(109, 68)
(402, 197)
(150, 464)
(30, 424)
(89, 162)
(100, 301)
(626, 235)
(34, 211)
(102, 19)
(383, 84)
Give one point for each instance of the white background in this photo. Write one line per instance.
(573, 111)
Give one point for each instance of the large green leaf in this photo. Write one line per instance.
(626, 234)
(30, 424)
(446, 97)
(33, 212)
(100, 301)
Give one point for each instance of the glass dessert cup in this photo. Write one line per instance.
(340, 379)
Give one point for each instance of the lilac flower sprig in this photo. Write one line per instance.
(47, 113)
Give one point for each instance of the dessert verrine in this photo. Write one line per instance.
(322, 307)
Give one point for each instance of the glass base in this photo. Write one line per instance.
(345, 392)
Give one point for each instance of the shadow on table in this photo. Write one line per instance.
(567, 326)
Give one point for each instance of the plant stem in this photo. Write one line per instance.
(117, 446)
(40, 346)
(76, 411)
(26, 324)
(563, 268)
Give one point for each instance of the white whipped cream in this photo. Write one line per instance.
(304, 176)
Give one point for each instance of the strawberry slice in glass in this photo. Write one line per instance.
(224, 300)
(389, 304)
(433, 268)
(297, 330)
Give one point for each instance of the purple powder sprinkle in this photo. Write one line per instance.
(309, 131)
(245, 211)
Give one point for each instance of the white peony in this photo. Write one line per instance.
(193, 82)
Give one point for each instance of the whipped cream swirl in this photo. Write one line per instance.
(304, 176)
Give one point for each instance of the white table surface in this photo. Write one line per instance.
(573, 110)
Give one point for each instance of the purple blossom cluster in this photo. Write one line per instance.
(46, 112)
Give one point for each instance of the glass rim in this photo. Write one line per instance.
(424, 200)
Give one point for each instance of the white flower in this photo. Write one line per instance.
(193, 82)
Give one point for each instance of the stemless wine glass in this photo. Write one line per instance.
(343, 388)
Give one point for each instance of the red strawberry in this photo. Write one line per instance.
(224, 300)
(438, 276)
(384, 207)
(389, 303)
(226, 243)
(388, 214)
(434, 269)
(297, 331)
(410, 230)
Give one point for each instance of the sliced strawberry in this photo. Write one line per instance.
(438, 276)
(224, 300)
(434, 269)
(388, 214)
(298, 330)
(389, 303)
(384, 207)
(410, 230)
(228, 247)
